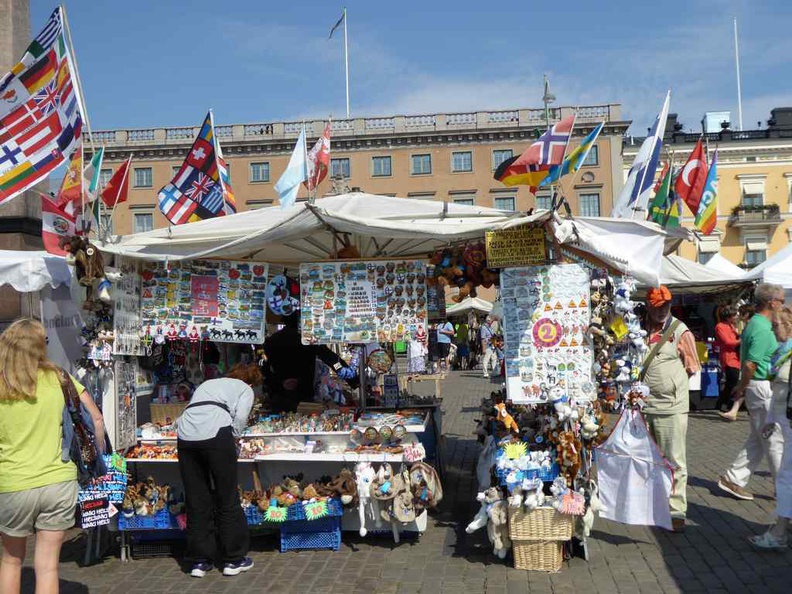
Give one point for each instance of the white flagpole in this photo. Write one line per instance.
(71, 56)
(346, 61)
(739, 83)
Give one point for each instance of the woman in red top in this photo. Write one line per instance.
(727, 339)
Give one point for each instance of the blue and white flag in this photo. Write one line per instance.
(640, 181)
(295, 174)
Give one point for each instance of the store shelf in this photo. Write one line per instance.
(174, 460)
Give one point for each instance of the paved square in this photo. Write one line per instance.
(711, 556)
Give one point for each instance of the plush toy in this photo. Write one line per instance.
(584, 524)
(493, 514)
(568, 454)
(365, 474)
(88, 265)
(504, 417)
(535, 496)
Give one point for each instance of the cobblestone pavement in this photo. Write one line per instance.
(712, 555)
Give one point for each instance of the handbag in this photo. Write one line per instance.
(83, 450)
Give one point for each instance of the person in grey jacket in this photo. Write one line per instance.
(207, 434)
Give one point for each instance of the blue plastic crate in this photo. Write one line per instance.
(326, 524)
(162, 520)
(300, 541)
(334, 510)
(253, 515)
(545, 475)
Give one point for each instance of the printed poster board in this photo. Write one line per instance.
(516, 247)
(546, 313)
(217, 300)
(361, 302)
(126, 313)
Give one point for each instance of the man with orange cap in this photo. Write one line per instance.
(669, 363)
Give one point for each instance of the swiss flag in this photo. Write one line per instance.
(690, 183)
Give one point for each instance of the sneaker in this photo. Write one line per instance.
(735, 490)
(768, 542)
(199, 570)
(238, 567)
(678, 524)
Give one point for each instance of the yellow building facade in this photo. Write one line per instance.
(754, 190)
(441, 157)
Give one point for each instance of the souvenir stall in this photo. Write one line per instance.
(363, 278)
(573, 350)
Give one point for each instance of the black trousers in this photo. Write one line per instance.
(215, 520)
(732, 378)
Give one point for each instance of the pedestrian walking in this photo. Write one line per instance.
(488, 354)
(756, 350)
(728, 341)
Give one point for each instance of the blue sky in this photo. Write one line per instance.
(163, 63)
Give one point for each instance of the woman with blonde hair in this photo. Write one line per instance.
(38, 481)
(779, 419)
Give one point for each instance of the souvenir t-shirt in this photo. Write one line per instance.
(31, 436)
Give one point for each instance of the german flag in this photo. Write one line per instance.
(531, 175)
(40, 73)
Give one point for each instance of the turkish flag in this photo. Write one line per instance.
(690, 183)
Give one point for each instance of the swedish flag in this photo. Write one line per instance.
(574, 160)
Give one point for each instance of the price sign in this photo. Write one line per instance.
(96, 512)
(547, 333)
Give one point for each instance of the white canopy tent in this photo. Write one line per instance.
(467, 305)
(382, 226)
(777, 269)
(27, 272)
(721, 264)
(682, 274)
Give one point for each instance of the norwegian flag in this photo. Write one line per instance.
(319, 159)
(549, 149)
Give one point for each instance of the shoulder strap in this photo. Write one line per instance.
(658, 345)
(210, 403)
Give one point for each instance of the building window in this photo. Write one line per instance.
(504, 202)
(462, 161)
(421, 165)
(468, 198)
(256, 204)
(143, 177)
(499, 156)
(589, 205)
(143, 222)
(592, 159)
(381, 166)
(543, 202)
(704, 257)
(755, 252)
(104, 177)
(339, 168)
(752, 193)
(259, 172)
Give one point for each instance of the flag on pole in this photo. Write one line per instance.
(690, 183)
(92, 173)
(201, 189)
(319, 159)
(116, 190)
(574, 160)
(40, 121)
(707, 214)
(337, 25)
(229, 199)
(640, 180)
(533, 166)
(55, 224)
(295, 174)
(658, 208)
(71, 184)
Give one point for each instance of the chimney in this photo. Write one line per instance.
(671, 126)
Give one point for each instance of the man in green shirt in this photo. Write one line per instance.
(757, 347)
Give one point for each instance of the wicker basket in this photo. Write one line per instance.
(542, 524)
(166, 414)
(538, 555)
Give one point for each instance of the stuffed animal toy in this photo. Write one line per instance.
(535, 496)
(365, 474)
(494, 516)
(504, 417)
(88, 264)
(584, 524)
(568, 455)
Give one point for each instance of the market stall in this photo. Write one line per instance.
(468, 305)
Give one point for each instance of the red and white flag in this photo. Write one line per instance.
(550, 148)
(319, 160)
(689, 185)
(117, 189)
(55, 223)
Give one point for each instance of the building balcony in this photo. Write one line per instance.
(765, 216)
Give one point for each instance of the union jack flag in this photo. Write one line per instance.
(47, 98)
(200, 189)
(200, 186)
